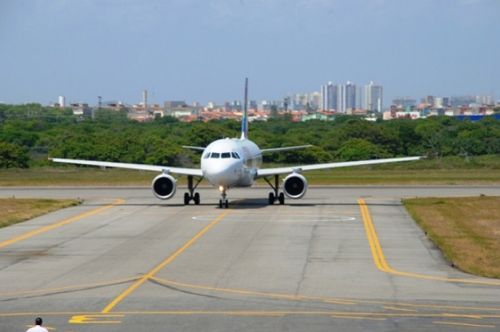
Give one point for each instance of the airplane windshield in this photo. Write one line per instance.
(223, 155)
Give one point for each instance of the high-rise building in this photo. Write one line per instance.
(373, 97)
(341, 98)
(350, 95)
(329, 97)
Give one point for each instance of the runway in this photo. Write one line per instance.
(341, 259)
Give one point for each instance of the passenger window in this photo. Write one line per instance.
(215, 155)
(235, 155)
(226, 155)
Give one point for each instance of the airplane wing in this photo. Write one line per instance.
(285, 148)
(289, 169)
(154, 168)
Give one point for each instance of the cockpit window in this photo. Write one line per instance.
(215, 155)
(226, 155)
(235, 155)
(207, 155)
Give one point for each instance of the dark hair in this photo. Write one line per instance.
(38, 321)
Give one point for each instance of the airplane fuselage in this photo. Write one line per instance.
(231, 162)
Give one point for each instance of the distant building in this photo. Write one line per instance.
(404, 102)
(81, 110)
(438, 102)
(484, 100)
(169, 107)
(373, 97)
(350, 98)
(62, 101)
(329, 97)
(429, 100)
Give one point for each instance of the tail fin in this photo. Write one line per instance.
(244, 120)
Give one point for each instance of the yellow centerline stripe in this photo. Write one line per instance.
(382, 265)
(61, 223)
(465, 324)
(163, 264)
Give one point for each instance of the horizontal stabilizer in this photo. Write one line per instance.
(286, 148)
(197, 148)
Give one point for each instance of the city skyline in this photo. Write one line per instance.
(187, 50)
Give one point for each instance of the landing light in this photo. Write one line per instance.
(221, 188)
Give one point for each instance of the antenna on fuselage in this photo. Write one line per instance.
(244, 120)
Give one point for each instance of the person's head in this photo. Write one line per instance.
(38, 321)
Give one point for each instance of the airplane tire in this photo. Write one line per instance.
(271, 198)
(220, 203)
(281, 198)
(226, 204)
(186, 199)
(196, 198)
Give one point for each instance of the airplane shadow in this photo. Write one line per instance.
(247, 203)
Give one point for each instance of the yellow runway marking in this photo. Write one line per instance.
(121, 314)
(64, 222)
(49, 291)
(95, 319)
(160, 266)
(465, 324)
(358, 317)
(382, 265)
(399, 309)
(245, 292)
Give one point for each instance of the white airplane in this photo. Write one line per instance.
(232, 163)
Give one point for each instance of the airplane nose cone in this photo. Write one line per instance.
(221, 174)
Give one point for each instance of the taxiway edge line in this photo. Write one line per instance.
(58, 224)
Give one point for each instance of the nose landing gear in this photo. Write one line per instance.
(223, 201)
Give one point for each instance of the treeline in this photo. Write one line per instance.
(31, 133)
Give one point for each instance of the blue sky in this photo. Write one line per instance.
(201, 50)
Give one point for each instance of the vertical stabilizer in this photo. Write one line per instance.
(244, 120)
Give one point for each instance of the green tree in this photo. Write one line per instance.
(12, 155)
(360, 149)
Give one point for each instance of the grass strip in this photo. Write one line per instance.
(16, 210)
(466, 229)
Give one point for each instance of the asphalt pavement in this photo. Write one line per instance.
(344, 258)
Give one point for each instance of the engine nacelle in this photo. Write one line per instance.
(295, 186)
(164, 186)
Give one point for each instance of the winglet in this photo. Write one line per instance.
(244, 120)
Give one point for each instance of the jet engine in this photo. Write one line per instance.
(295, 186)
(164, 186)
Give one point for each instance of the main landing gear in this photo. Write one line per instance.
(191, 195)
(223, 201)
(275, 195)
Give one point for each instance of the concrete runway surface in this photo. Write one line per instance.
(341, 259)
